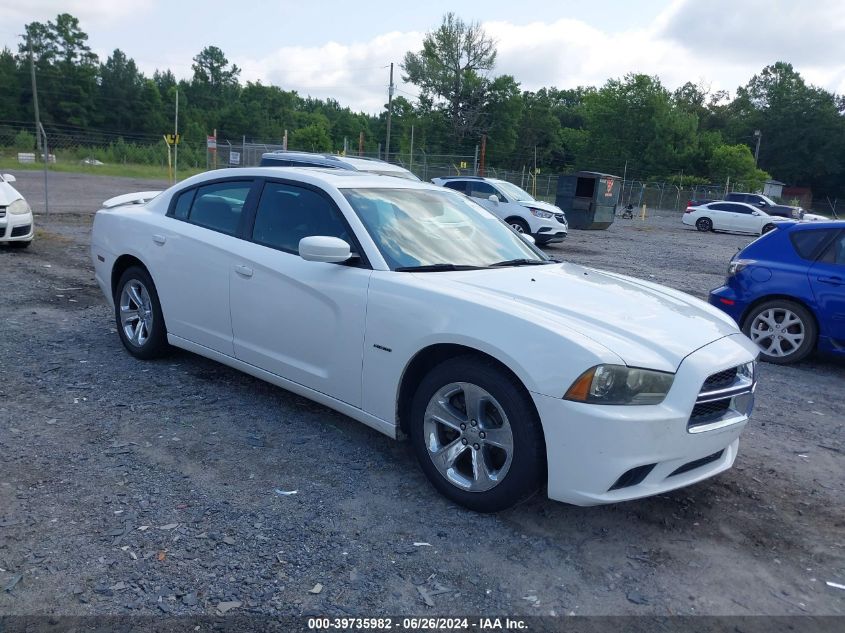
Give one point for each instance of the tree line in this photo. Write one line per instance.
(633, 123)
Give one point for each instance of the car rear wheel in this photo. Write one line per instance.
(137, 311)
(784, 331)
(704, 224)
(476, 435)
(519, 225)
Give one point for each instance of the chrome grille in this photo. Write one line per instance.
(2, 212)
(726, 397)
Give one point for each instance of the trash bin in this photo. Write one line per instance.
(588, 198)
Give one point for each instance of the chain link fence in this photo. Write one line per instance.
(89, 147)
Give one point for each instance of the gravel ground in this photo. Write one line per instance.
(129, 487)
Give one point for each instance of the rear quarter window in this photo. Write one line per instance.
(810, 242)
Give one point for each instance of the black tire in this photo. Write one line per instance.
(155, 345)
(20, 245)
(807, 325)
(704, 225)
(767, 228)
(519, 225)
(527, 467)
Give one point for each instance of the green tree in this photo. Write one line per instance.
(737, 163)
(452, 67)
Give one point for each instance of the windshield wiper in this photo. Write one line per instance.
(522, 262)
(435, 268)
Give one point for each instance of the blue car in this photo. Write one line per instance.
(786, 290)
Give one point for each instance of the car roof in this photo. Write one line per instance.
(361, 163)
(338, 178)
(819, 224)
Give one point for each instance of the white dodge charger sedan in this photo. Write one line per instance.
(412, 309)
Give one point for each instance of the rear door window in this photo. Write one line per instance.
(810, 242)
(457, 185)
(835, 253)
(219, 206)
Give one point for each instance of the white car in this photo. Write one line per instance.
(545, 222)
(415, 311)
(736, 217)
(17, 226)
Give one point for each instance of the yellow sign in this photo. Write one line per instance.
(172, 139)
(463, 164)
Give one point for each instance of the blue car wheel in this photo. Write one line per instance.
(785, 331)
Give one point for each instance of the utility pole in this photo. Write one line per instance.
(39, 129)
(483, 155)
(176, 138)
(34, 95)
(759, 135)
(389, 113)
(411, 161)
(621, 199)
(361, 143)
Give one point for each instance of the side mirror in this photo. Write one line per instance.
(528, 238)
(493, 198)
(322, 248)
(756, 213)
(9, 178)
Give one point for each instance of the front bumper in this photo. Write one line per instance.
(604, 454)
(549, 230)
(17, 227)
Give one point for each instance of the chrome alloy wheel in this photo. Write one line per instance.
(468, 436)
(778, 332)
(136, 312)
(516, 226)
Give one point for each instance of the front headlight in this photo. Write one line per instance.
(618, 384)
(18, 207)
(539, 213)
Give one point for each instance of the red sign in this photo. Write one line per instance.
(211, 143)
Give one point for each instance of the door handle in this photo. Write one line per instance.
(243, 271)
(833, 281)
(159, 239)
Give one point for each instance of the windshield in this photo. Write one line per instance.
(514, 193)
(398, 174)
(422, 227)
(769, 201)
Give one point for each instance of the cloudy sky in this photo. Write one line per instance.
(340, 49)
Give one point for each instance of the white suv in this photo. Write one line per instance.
(543, 221)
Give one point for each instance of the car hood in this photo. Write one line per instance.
(537, 204)
(8, 194)
(645, 324)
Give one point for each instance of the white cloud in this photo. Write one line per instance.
(355, 74)
(720, 43)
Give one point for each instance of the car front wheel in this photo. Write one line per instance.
(784, 331)
(767, 228)
(476, 435)
(137, 311)
(704, 224)
(519, 225)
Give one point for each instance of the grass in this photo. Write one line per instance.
(151, 172)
